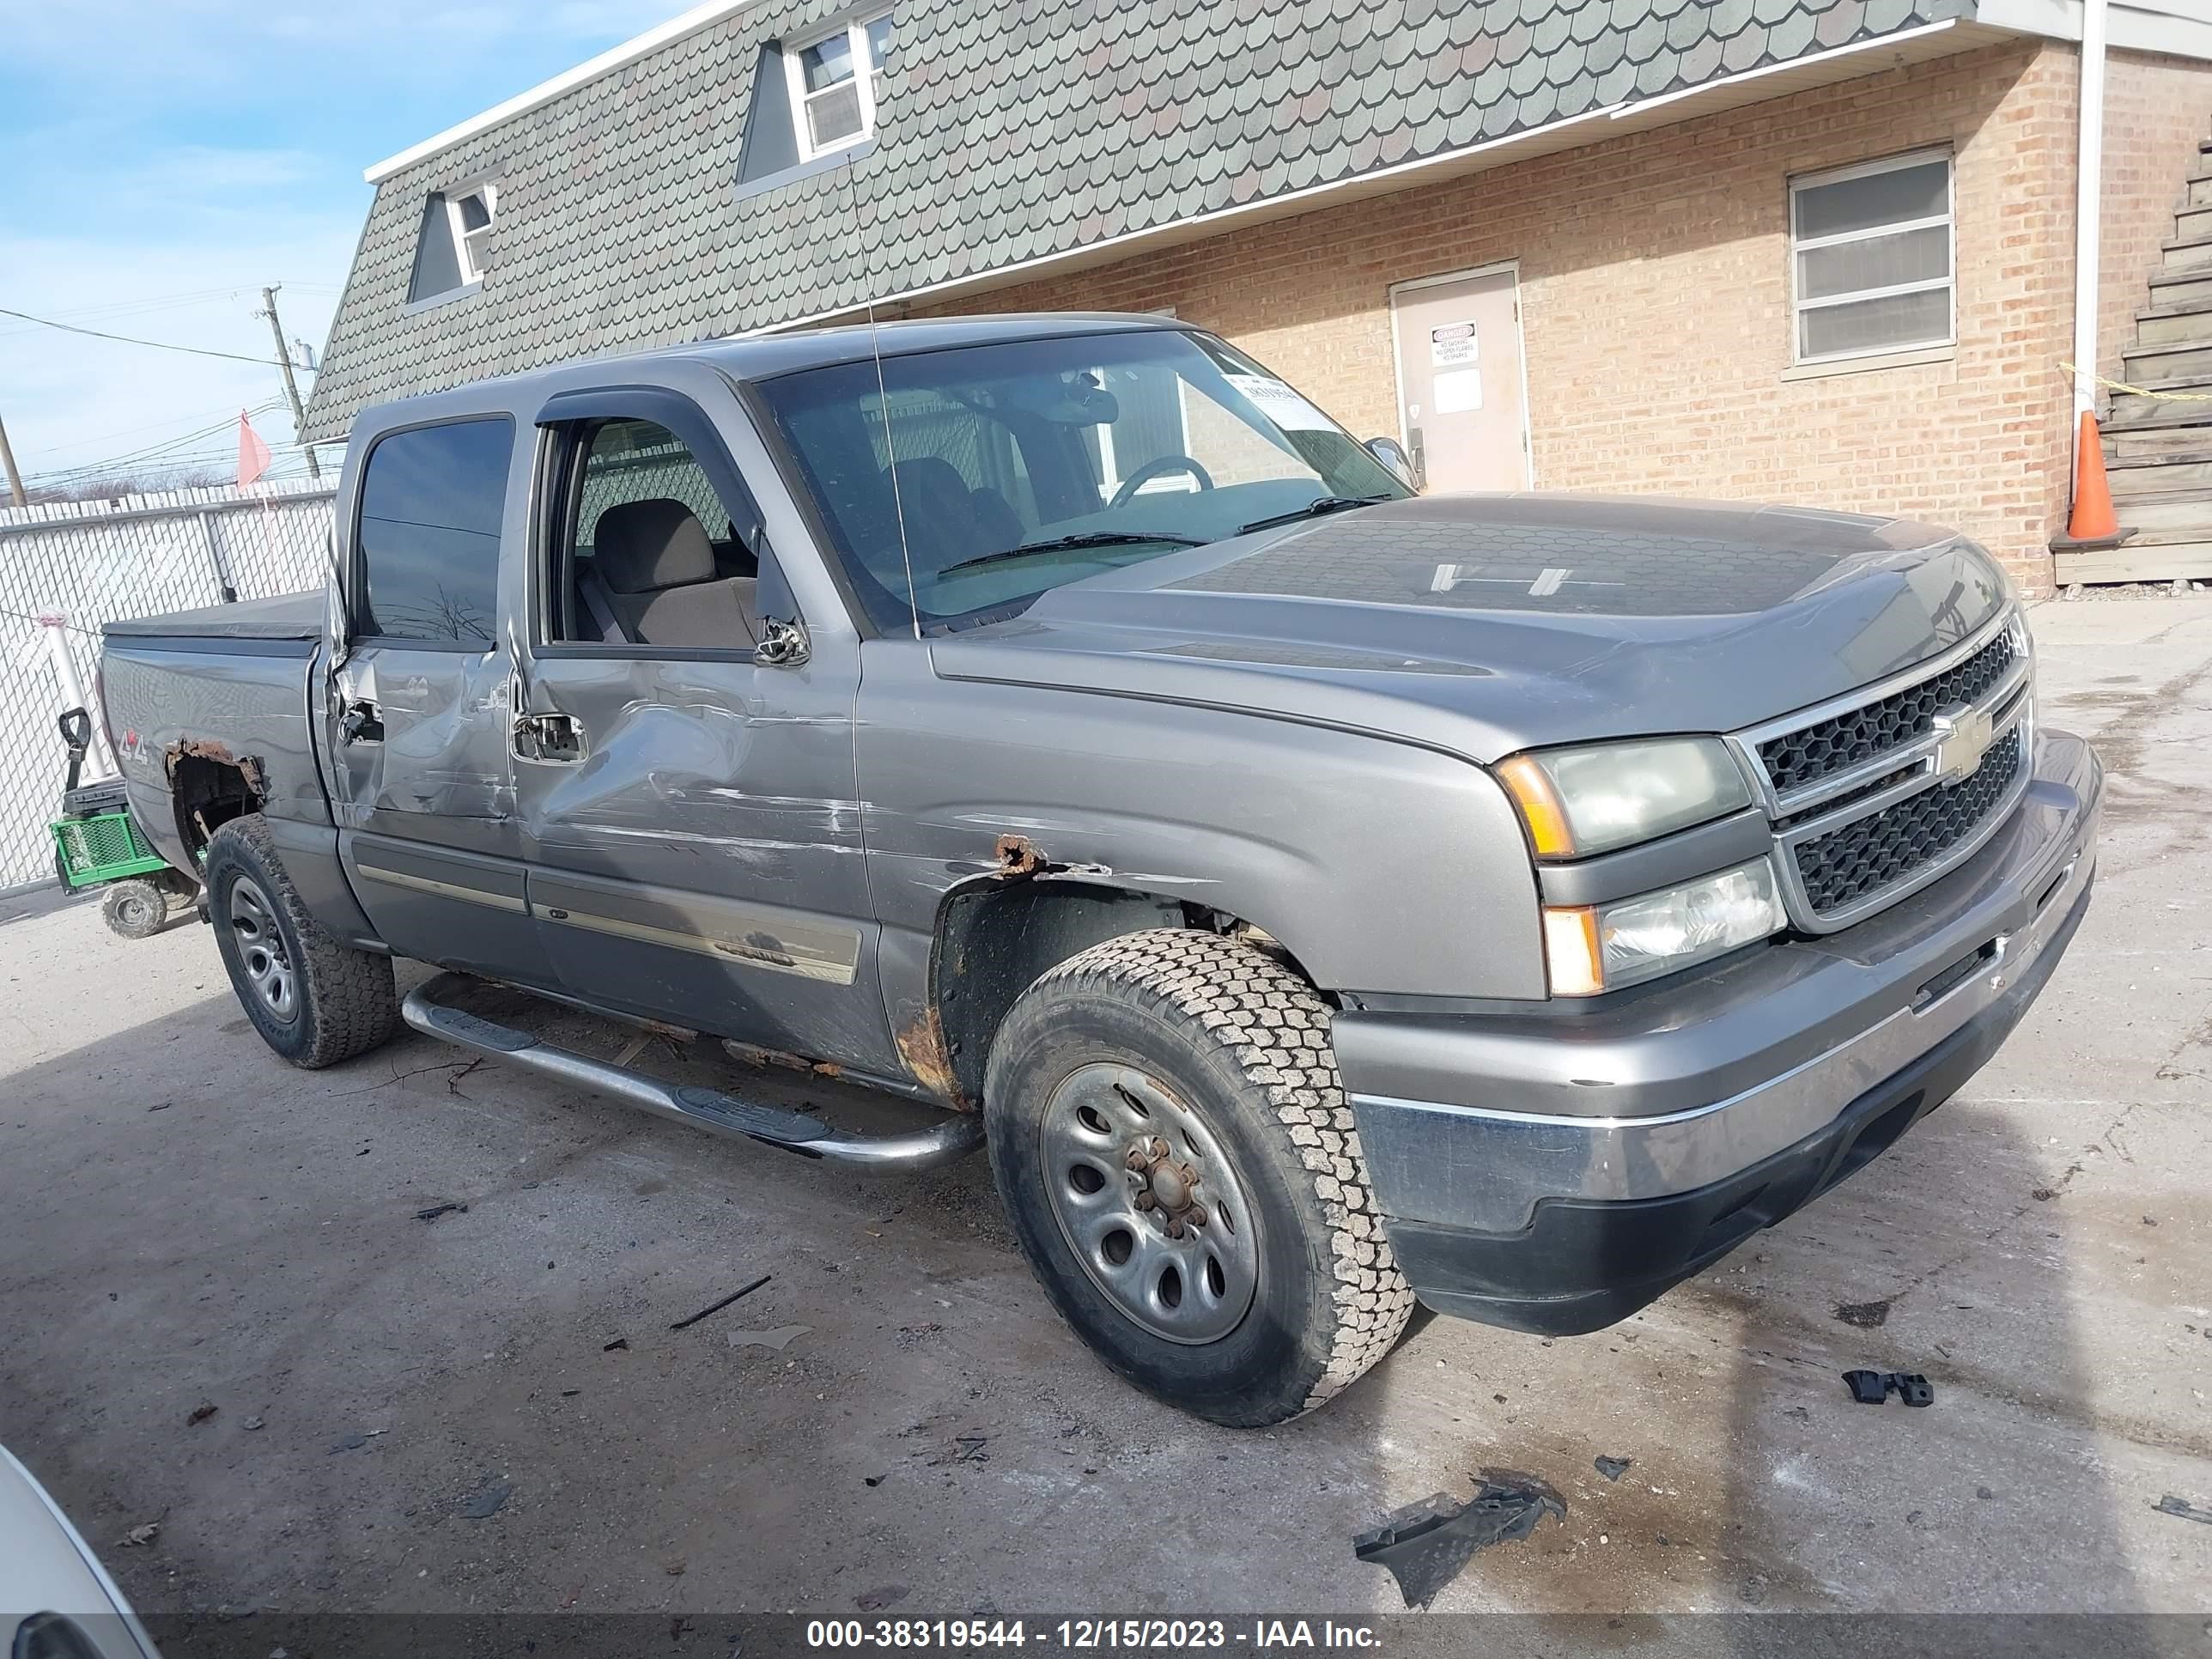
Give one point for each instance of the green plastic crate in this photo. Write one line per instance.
(104, 848)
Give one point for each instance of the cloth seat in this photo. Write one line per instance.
(659, 569)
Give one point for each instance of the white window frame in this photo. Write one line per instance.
(866, 72)
(1799, 304)
(465, 252)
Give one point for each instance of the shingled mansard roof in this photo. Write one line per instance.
(1013, 134)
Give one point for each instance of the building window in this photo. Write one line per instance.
(455, 240)
(833, 82)
(470, 211)
(1872, 258)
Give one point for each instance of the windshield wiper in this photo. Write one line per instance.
(1313, 509)
(1062, 543)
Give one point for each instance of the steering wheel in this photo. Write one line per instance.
(1159, 466)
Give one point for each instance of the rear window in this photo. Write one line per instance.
(431, 501)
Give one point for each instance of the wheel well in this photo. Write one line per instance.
(207, 794)
(996, 938)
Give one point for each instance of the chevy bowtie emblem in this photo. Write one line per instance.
(1962, 739)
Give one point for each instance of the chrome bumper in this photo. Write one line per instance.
(1471, 1122)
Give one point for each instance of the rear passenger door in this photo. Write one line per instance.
(417, 712)
(689, 799)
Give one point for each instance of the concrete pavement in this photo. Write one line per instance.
(189, 1223)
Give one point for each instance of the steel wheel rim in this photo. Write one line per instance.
(261, 949)
(1184, 1266)
(133, 909)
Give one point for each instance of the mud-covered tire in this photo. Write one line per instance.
(1238, 1042)
(134, 908)
(340, 1001)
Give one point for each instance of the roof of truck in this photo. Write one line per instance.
(761, 356)
(764, 356)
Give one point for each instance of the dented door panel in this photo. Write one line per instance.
(425, 806)
(702, 861)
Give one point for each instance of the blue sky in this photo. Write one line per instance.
(161, 159)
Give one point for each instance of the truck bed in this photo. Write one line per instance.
(297, 616)
(223, 687)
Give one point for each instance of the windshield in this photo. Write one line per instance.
(1024, 466)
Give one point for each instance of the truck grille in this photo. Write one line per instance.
(1798, 758)
(1867, 799)
(1875, 852)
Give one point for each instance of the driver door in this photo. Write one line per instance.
(687, 798)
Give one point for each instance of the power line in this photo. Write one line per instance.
(159, 345)
(155, 456)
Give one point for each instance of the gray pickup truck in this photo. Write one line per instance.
(1316, 896)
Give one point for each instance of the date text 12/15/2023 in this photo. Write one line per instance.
(1090, 1635)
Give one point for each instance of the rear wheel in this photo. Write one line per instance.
(134, 909)
(315, 1000)
(1172, 1141)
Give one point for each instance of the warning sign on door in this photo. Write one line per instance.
(1453, 346)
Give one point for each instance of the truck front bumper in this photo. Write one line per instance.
(1555, 1170)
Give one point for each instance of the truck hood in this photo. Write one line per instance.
(1483, 624)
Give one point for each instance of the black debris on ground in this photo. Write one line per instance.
(1872, 1387)
(2181, 1507)
(1425, 1546)
(486, 1503)
(437, 1209)
(1612, 1467)
(717, 1307)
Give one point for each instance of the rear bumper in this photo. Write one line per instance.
(1555, 1173)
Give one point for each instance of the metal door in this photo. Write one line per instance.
(416, 711)
(1461, 392)
(691, 815)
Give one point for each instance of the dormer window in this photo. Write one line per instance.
(456, 241)
(833, 80)
(471, 211)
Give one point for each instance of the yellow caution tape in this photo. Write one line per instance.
(2145, 392)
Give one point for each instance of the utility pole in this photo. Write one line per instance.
(7, 459)
(291, 386)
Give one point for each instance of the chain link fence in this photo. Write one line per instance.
(91, 563)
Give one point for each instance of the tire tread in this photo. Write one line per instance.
(347, 996)
(1276, 1028)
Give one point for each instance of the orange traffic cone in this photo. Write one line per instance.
(2093, 519)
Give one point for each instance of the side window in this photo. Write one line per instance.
(428, 543)
(649, 555)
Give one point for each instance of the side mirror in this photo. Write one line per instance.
(783, 644)
(1395, 461)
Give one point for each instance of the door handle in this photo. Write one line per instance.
(362, 722)
(552, 737)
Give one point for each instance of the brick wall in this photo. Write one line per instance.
(2156, 110)
(1655, 303)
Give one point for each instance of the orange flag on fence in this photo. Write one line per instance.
(253, 454)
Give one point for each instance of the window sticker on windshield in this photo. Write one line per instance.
(1454, 346)
(1280, 405)
(1458, 390)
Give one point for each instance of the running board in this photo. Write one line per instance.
(953, 1139)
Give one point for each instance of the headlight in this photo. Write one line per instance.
(1594, 948)
(1591, 799)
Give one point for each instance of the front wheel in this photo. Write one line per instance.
(1173, 1144)
(315, 1000)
